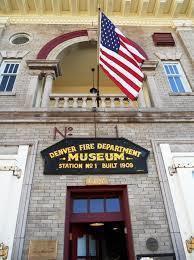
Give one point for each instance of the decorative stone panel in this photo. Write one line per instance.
(168, 55)
(13, 54)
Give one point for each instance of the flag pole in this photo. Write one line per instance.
(98, 54)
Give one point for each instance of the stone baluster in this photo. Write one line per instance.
(84, 102)
(103, 102)
(75, 102)
(112, 102)
(94, 102)
(65, 103)
(56, 102)
(121, 102)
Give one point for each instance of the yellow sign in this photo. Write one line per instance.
(94, 156)
(42, 250)
(97, 181)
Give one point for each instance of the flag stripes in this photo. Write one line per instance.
(120, 59)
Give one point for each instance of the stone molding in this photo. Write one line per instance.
(93, 34)
(59, 48)
(4, 21)
(149, 65)
(44, 67)
(143, 115)
(168, 55)
(87, 20)
(57, 41)
(13, 54)
(182, 25)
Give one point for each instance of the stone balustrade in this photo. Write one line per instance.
(90, 101)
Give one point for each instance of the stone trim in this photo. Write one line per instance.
(54, 43)
(59, 48)
(181, 94)
(53, 19)
(13, 54)
(57, 115)
(44, 66)
(25, 196)
(167, 197)
(149, 65)
(182, 25)
(4, 21)
(168, 55)
(10, 93)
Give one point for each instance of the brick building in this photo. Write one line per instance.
(47, 53)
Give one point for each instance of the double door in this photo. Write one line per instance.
(99, 241)
(98, 224)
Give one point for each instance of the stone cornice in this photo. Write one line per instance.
(44, 66)
(57, 116)
(92, 20)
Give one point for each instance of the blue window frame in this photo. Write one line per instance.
(8, 73)
(96, 205)
(80, 206)
(176, 77)
(112, 205)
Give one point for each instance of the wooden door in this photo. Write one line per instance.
(84, 243)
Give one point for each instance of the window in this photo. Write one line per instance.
(96, 205)
(20, 38)
(163, 39)
(8, 72)
(176, 77)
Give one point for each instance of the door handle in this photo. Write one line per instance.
(3, 251)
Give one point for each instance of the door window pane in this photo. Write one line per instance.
(80, 206)
(92, 246)
(96, 205)
(81, 246)
(112, 205)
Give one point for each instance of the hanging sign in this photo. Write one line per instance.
(95, 156)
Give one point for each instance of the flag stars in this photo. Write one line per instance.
(109, 37)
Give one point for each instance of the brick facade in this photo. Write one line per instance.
(46, 211)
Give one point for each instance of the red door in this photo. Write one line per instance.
(84, 243)
(98, 224)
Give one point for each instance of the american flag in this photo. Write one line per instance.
(120, 59)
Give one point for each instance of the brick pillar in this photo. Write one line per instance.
(186, 34)
(153, 90)
(2, 28)
(141, 99)
(47, 89)
(32, 90)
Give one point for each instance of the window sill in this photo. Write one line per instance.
(181, 94)
(8, 93)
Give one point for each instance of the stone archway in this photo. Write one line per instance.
(51, 50)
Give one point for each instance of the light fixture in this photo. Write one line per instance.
(97, 224)
(115, 228)
(93, 90)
